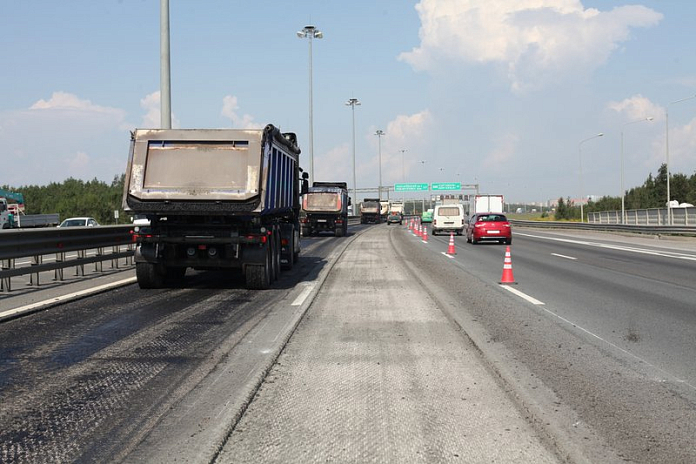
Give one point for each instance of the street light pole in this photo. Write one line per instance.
(623, 192)
(582, 210)
(165, 68)
(352, 103)
(403, 175)
(669, 198)
(379, 134)
(310, 32)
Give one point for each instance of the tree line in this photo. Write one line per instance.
(95, 198)
(75, 197)
(652, 194)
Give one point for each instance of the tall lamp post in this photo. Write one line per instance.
(352, 103)
(623, 192)
(669, 198)
(379, 135)
(403, 173)
(310, 32)
(165, 68)
(582, 210)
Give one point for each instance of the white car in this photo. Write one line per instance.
(79, 222)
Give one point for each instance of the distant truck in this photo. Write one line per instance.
(325, 208)
(383, 208)
(215, 199)
(12, 216)
(396, 206)
(485, 203)
(370, 211)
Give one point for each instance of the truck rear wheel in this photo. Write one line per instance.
(275, 255)
(258, 277)
(339, 231)
(149, 275)
(290, 255)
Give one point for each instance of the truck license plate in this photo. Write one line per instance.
(321, 220)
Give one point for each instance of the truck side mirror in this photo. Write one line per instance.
(349, 201)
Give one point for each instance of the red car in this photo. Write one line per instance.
(488, 227)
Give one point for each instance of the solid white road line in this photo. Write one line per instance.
(304, 294)
(524, 296)
(449, 256)
(63, 298)
(630, 249)
(563, 256)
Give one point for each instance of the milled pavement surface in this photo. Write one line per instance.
(376, 372)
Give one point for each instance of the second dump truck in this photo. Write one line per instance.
(215, 199)
(325, 208)
(370, 211)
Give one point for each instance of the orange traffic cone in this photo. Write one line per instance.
(425, 234)
(410, 224)
(450, 248)
(507, 277)
(419, 231)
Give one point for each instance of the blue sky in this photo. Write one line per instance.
(495, 92)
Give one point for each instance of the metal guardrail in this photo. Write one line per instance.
(36, 244)
(636, 229)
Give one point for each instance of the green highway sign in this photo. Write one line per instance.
(447, 186)
(410, 187)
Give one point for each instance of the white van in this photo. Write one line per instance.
(449, 218)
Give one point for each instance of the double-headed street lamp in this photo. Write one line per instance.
(623, 192)
(379, 134)
(352, 103)
(310, 32)
(582, 210)
(669, 209)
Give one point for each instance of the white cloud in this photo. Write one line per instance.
(80, 164)
(636, 108)
(532, 40)
(334, 165)
(230, 106)
(153, 111)
(503, 152)
(405, 132)
(64, 136)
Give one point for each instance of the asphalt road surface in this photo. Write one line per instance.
(378, 348)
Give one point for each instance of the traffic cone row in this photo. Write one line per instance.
(420, 230)
(507, 277)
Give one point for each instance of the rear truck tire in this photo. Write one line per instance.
(290, 255)
(258, 276)
(338, 232)
(345, 227)
(276, 253)
(149, 275)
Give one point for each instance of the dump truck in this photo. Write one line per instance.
(215, 199)
(12, 213)
(370, 211)
(325, 209)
